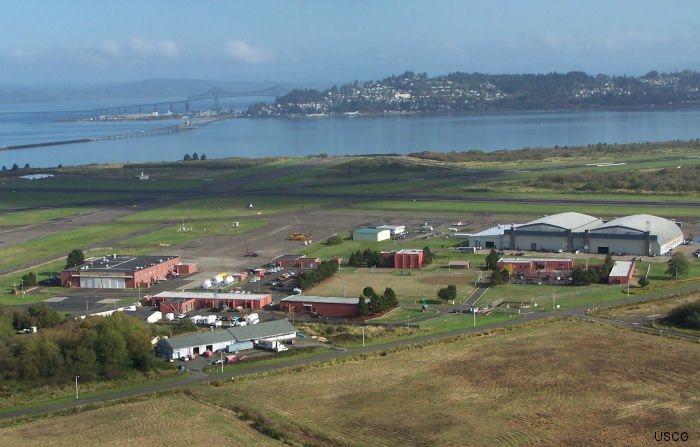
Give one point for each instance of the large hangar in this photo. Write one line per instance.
(640, 234)
(564, 231)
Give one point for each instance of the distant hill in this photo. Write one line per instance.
(150, 88)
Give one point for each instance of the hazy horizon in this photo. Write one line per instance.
(321, 43)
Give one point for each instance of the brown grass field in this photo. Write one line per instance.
(563, 383)
(554, 383)
(408, 288)
(174, 420)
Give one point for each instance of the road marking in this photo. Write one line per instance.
(55, 299)
(109, 301)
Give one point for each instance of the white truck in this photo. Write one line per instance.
(252, 319)
(272, 345)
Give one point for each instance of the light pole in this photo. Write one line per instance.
(21, 285)
(652, 315)
(474, 312)
(76, 387)
(363, 336)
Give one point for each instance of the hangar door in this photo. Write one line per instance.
(102, 283)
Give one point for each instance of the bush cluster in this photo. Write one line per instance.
(323, 271)
(90, 348)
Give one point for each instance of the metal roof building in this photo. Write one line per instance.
(331, 306)
(371, 235)
(564, 231)
(213, 341)
(640, 234)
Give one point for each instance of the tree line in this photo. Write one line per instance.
(540, 153)
(325, 270)
(675, 179)
(103, 348)
(371, 302)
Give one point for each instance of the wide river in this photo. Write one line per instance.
(246, 137)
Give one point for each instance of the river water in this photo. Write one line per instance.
(248, 137)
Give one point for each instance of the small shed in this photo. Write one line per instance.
(371, 235)
(463, 265)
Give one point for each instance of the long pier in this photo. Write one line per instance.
(168, 130)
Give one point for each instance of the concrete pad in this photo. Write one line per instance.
(55, 299)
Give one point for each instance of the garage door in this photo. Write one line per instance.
(103, 283)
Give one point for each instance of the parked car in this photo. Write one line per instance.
(207, 354)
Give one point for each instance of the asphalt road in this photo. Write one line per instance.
(335, 353)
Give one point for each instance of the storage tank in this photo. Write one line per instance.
(229, 280)
(218, 279)
(206, 284)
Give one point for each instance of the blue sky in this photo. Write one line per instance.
(319, 42)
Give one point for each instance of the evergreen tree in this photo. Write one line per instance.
(678, 265)
(362, 307)
(203, 157)
(29, 279)
(187, 157)
(607, 265)
(195, 156)
(492, 259)
(75, 257)
(390, 297)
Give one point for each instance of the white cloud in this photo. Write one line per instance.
(110, 49)
(249, 54)
(164, 48)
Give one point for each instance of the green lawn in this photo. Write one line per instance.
(454, 321)
(57, 244)
(36, 216)
(402, 314)
(217, 208)
(608, 211)
(178, 234)
(20, 199)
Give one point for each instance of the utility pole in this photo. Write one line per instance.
(76, 387)
(363, 336)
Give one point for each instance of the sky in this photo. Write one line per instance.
(325, 42)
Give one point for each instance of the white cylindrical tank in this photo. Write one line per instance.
(218, 279)
(229, 280)
(206, 284)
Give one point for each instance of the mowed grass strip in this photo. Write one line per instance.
(220, 207)
(20, 218)
(409, 288)
(57, 244)
(607, 211)
(20, 199)
(178, 234)
(548, 384)
(151, 421)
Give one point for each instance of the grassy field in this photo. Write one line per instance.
(409, 289)
(37, 216)
(59, 243)
(18, 199)
(545, 385)
(157, 420)
(174, 234)
(403, 313)
(423, 206)
(218, 208)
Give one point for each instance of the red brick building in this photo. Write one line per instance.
(183, 302)
(621, 272)
(186, 269)
(296, 262)
(533, 265)
(321, 305)
(120, 272)
(408, 259)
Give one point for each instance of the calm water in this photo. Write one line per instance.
(333, 136)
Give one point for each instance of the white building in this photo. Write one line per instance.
(371, 235)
